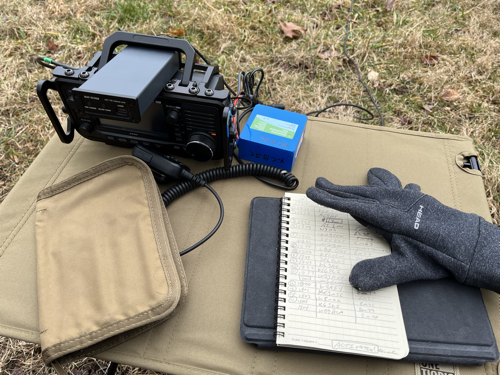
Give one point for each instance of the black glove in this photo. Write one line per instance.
(428, 239)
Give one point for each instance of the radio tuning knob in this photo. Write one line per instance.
(200, 146)
(86, 128)
(172, 117)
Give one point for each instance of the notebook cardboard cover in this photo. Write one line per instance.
(446, 322)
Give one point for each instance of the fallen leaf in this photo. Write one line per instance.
(16, 159)
(431, 59)
(51, 46)
(450, 95)
(373, 75)
(390, 4)
(291, 29)
(327, 54)
(428, 107)
(176, 32)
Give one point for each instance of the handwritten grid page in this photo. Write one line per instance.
(318, 308)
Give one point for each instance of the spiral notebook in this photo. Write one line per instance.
(446, 322)
(317, 307)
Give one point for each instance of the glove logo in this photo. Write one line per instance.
(417, 219)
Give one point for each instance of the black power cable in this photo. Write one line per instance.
(344, 105)
(246, 93)
(359, 78)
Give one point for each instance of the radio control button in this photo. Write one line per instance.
(86, 128)
(172, 117)
(122, 139)
(201, 146)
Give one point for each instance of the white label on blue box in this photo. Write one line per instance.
(273, 126)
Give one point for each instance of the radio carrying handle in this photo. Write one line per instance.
(121, 37)
(41, 89)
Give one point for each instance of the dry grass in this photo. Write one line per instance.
(19, 358)
(244, 34)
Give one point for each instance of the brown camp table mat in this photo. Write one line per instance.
(203, 337)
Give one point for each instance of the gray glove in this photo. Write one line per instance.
(428, 239)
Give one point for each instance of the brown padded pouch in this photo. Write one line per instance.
(108, 267)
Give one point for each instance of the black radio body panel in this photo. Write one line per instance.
(187, 117)
(189, 121)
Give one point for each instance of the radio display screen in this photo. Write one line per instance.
(152, 121)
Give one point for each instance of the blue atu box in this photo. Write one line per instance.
(272, 136)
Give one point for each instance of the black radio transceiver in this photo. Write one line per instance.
(145, 95)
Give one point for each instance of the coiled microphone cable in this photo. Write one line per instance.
(164, 165)
(290, 182)
(202, 179)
